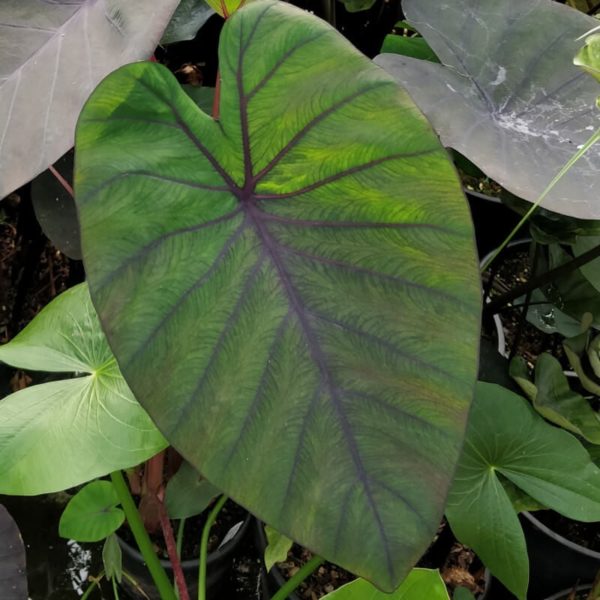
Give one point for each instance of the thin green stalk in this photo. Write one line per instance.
(136, 585)
(163, 585)
(180, 529)
(115, 590)
(305, 571)
(593, 139)
(179, 546)
(204, 546)
(95, 582)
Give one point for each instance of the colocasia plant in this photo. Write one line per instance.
(244, 265)
(289, 287)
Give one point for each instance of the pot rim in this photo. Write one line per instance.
(220, 553)
(562, 595)
(559, 538)
(498, 320)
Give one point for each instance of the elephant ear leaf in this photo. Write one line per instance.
(507, 94)
(508, 445)
(52, 55)
(267, 281)
(90, 424)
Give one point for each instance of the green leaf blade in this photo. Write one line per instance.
(92, 514)
(89, 425)
(419, 584)
(230, 317)
(507, 439)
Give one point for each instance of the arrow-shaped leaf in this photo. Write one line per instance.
(291, 291)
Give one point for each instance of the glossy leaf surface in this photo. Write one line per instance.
(88, 425)
(291, 291)
(13, 576)
(55, 208)
(188, 18)
(508, 96)
(52, 55)
(420, 584)
(92, 514)
(507, 439)
(188, 493)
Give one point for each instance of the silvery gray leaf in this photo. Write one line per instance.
(52, 55)
(508, 95)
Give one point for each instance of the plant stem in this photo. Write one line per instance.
(136, 585)
(204, 546)
(95, 582)
(181, 587)
(62, 180)
(592, 140)
(305, 571)
(179, 545)
(180, 530)
(543, 279)
(163, 585)
(115, 591)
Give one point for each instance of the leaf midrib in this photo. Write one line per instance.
(270, 246)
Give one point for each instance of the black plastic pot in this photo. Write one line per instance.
(274, 579)
(555, 563)
(218, 565)
(565, 593)
(493, 220)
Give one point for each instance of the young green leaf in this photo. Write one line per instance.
(416, 47)
(588, 58)
(462, 593)
(505, 437)
(278, 546)
(420, 584)
(60, 434)
(353, 6)
(553, 398)
(92, 514)
(267, 280)
(188, 493)
(112, 558)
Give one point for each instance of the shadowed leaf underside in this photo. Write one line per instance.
(291, 290)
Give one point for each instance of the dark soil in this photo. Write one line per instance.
(513, 269)
(325, 579)
(584, 534)
(458, 565)
(229, 516)
(32, 271)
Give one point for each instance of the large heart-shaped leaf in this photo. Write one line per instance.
(52, 55)
(507, 440)
(291, 291)
(59, 434)
(508, 95)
